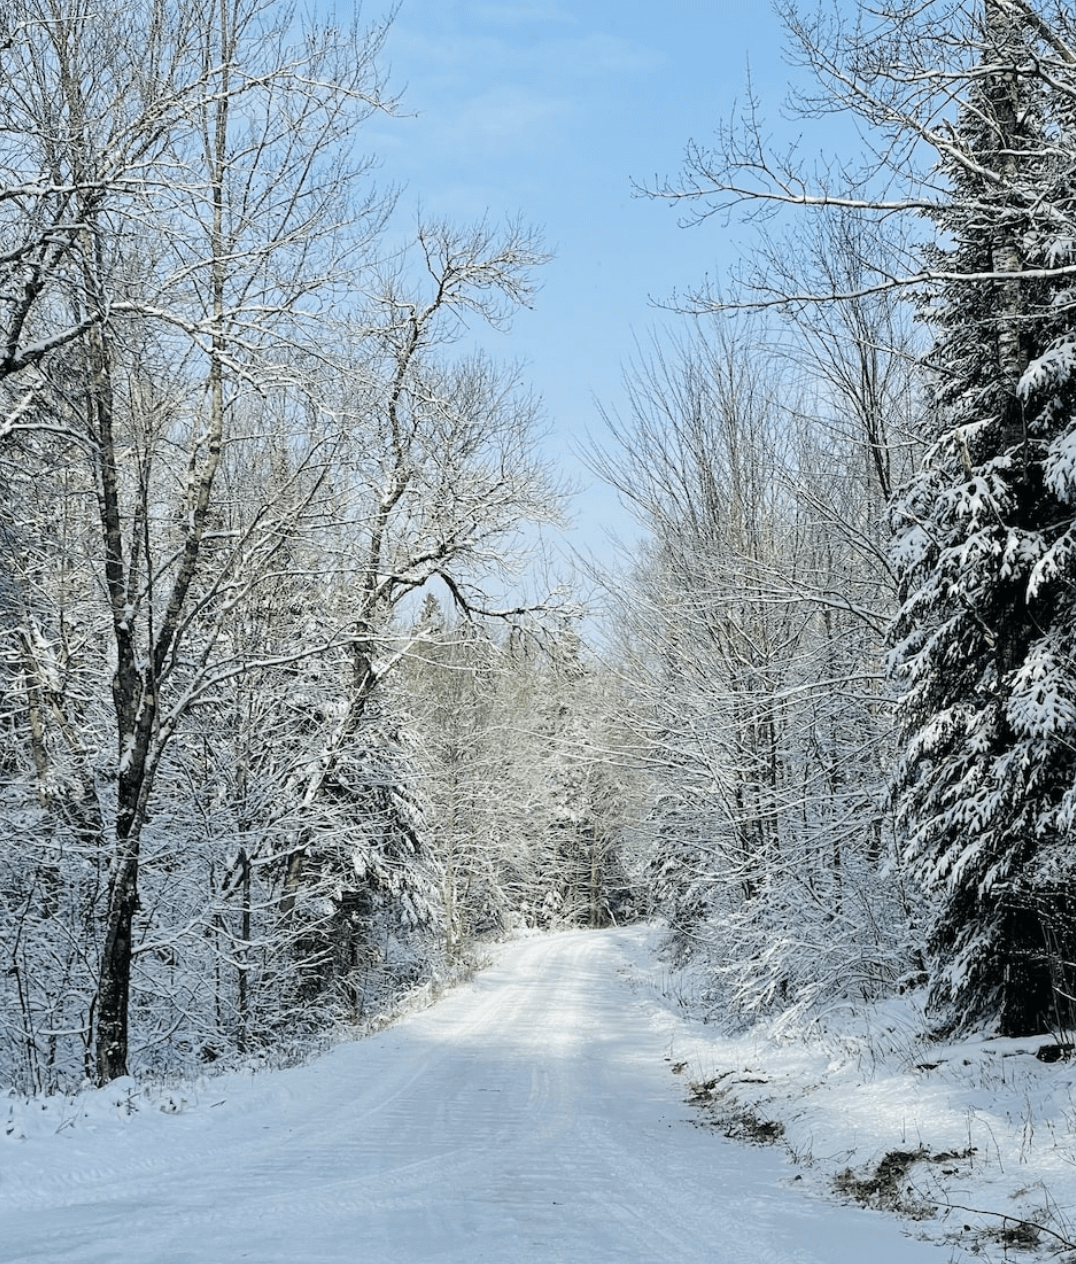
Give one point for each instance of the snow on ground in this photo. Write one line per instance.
(972, 1142)
(531, 1115)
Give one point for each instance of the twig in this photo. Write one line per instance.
(1027, 1224)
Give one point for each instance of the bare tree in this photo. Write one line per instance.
(758, 613)
(967, 114)
(441, 473)
(260, 446)
(195, 151)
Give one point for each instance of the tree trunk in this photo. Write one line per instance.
(114, 982)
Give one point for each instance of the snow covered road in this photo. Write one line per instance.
(528, 1116)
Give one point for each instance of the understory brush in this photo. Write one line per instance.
(172, 1091)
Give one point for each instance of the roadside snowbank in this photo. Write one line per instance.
(974, 1139)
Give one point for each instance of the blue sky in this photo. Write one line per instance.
(551, 110)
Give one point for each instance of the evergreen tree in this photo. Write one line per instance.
(983, 644)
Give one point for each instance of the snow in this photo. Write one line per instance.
(1051, 370)
(1038, 704)
(1060, 472)
(530, 1115)
(992, 1127)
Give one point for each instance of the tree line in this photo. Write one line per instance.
(855, 614)
(250, 784)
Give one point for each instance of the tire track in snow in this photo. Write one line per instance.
(527, 1117)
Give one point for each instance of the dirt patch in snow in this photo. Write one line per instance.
(971, 1140)
(890, 1185)
(716, 1098)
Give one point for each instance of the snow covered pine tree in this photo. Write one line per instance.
(986, 542)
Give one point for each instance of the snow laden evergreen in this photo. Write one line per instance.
(986, 547)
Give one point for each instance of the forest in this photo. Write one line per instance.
(291, 721)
